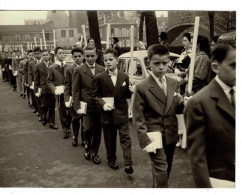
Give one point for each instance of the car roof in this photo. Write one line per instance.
(143, 53)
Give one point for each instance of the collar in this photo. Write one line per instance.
(77, 64)
(59, 63)
(116, 71)
(158, 79)
(225, 87)
(91, 66)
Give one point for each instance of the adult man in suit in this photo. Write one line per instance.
(56, 81)
(21, 71)
(156, 102)
(8, 65)
(30, 58)
(77, 55)
(82, 90)
(31, 73)
(114, 83)
(41, 89)
(210, 122)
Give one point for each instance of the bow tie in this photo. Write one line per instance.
(91, 67)
(112, 74)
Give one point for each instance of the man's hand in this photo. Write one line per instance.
(150, 148)
(37, 94)
(79, 111)
(177, 71)
(68, 105)
(107, 107)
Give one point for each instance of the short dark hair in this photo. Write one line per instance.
(112, 51)
(45, 50)
(57, 48)
(88, 40)
(215, 39)
(30, 51)
(188, 36)
(203, 44)
(220, 52)
(159, 49)
(116, 39)
(163, 36)
(77, 49)
(90, 48)
(37, 49)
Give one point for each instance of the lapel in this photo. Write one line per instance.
(88, 71)
(107, 79)
(43, 66)
(119, 82)
(97, 70)
(156, 90)
(171, 88)
(222, 100)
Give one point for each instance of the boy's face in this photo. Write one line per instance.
(159, 64)
(37, 55)
(90, 56)
(18, 54)
(30, 56)
(60, 55)
(45, 56)
(110, 61)
(25, 54)
(78, 57)
(227, 69)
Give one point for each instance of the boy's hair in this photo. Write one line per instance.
(90, 48)
(77, 49)
(116, 39)
(157, 49)
(46, 50)
(88, 40)
(112, 51)
(188, 36)
(37, 49)
(57, 48)
(215, 39)
(30, 51)
(220, 52)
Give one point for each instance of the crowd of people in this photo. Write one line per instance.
(91, 98)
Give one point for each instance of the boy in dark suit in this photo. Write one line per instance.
(82, 90)
(156, 102)
(210, 122)
(47, 97)
(77, 55)
(56, 81)
(115, 84)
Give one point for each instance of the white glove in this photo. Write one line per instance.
(186, 99)
(68, 105)
(107, 107)
(131, 88)
(57, 92)
(150, 148)
(177, 71)
(79, 111)
(37, 94)
(31, 87)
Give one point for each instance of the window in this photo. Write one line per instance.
(71, 33)
(124, 32)
(122, 65)
(135, 69)
(17, 37)
(63, 33)
(37, 37)
(27, 37)
(112, 32)
(127, 43)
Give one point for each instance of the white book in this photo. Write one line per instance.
(32, 86)
(83, 107)
(220, 183)
(109, 100)
(156, 138)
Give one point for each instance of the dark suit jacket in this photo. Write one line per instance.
(26, 69)
(8, 61)
(83, 87)
(153, 111)
(21, 66)
(68, 82)
(56, 76)
(14, 65)
(210, 123)
(31, 71)
(105, 88)
(40, 78)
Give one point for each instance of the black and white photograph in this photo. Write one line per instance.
(118, 98)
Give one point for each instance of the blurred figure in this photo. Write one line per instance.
(115, 45)
(140, 46)
(163, 39)
(210, 122)
(21, 66)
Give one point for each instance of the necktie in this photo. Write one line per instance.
(163, 87)
(232, 97)
(112, 74)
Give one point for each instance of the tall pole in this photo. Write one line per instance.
(84, 34)
(35, 42)
(22, 50)
(43, 32)
(40, 42)
(108, 36)
(54, 38)
(192, 64)
(132, 53)
(31, 45)
(28, 45)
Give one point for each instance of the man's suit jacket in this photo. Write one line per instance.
(40, 78)
(8, 61)
(56, 76)
(26, 69)
(21, 66)
(105, 88)
(68, 82)
(31, 71)
(153, 111)
(14, 65)
(84, 86)
(210, 123)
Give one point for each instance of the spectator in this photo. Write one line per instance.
(163, 39)
(115, 45)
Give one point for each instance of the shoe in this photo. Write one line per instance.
(69, 131)
(34, 110)
(128, 169)
(44, 121)
(52, 126)
(83, 143)
(113, 165)
(37, 113)
(40, 119)
(87, 154)
(30, 105)
(74, 142)
(96, 159)
(24, 96)
(66, 135)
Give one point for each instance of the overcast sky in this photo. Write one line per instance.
(17, 17)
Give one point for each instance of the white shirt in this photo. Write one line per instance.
(226, 88)
(59, 63)
(46, 63)
(114, 77)
(163, 84)
(92, 69)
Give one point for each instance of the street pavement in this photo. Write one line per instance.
(32, 155)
